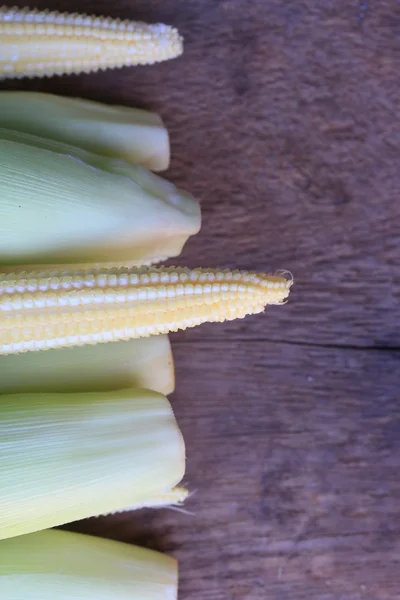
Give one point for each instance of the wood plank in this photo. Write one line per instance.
(283, 123)
(293, 454)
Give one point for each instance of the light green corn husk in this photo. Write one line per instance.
(61, 565)
(143, 363)
(131, 134)
(61, 209)
(65, 457)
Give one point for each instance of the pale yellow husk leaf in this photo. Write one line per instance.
(131, 134)
(61, 565)
(63, 205)
(66, 457)
(144, 363)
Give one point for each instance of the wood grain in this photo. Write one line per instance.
(284, 121)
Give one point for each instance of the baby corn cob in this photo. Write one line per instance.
(131, 134)
(38, 44)
(66, 457)
(78, 308)
(61, 204)
(144, 363)
(62, 565)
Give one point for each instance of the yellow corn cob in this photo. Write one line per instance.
(130, 134)
(145, 363)
(65, 457)
(61, 204)
(90, 307)
(62, 565)
(34, 43)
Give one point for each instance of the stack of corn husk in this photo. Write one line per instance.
(86, 367)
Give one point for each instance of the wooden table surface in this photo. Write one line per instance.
(284, 120)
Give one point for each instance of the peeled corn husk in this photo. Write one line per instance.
(143, 363)
(65, 457)
(80, 308)
(61, 565)
(80, 208)
(36, 43)
(131, 134)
